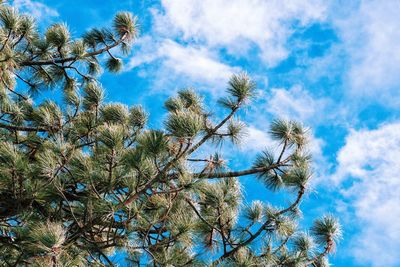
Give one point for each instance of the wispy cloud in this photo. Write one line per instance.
(296, 103)
(371, 159)
(194, 64)
(257, 140)
(370, 37)
(238, 25)
(197, 63)
(190, 39)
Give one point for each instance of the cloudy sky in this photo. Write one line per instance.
(334, 65)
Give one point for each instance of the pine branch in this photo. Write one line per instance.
(261, 229)
(324, 253)
(213, 130)
(6, 41)
(69, 59)
(25, 128)
(239, 173)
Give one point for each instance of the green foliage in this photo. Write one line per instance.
(173, 104)
(241, 87)
(298, 177)
(9, 18)
(304, 244)
(184, 124)
(82, 178)
(236, 131)
(187, 100)
(93, 95)
(241, 90)
(153, 142)
(265, 159)
(125, 23)
(47, 237)
(115, 113)
(114, 64)
(111, 136)
(254, 212)
(290, 132)
(191, 100)
(281, 130)
(58, 35)
(327, 230)
(272, 178)
(78, 49)
(137, 117)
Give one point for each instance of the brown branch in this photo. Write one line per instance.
(23, 128)
(187, 151)
(154, 179)
(213, 130)
(19, 40)
(283, 150)
(68, 59)
(201, 217)
(284, 242)
(6, 41)
(327, 249)
(12, 91)
(240, 173)
(261, 229)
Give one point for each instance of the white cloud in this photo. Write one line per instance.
(144, 52)
(257, 139)
(192, 65)
(370, 35)
(207, 29)
(371, 159)
(296, 103)
(196, 63)
(36, 9)
(238, 24)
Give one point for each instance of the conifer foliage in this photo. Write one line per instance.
(84, 182)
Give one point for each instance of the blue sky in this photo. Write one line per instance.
(333, 65)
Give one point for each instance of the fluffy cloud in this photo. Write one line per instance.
(193, 65)
(371, 159)
(370, 35)
(189, 39)
(256, 140)
(296, 103)
(237, 25)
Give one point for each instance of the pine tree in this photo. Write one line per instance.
(81, 178)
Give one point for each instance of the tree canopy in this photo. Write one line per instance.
(82, 178)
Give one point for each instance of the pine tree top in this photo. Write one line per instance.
(86, 177)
